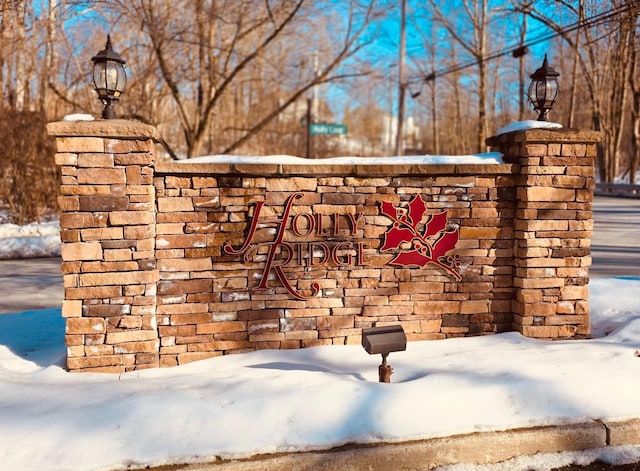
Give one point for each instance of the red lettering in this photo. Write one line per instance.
(252, 230)
(312, 253)
(360, 257)
(336, 249)
(310, 226)
(354, 222)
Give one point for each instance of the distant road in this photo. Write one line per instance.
(615, 246)
(29, 284)
(36, 283)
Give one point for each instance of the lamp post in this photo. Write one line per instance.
(109, 78)
(543, 90)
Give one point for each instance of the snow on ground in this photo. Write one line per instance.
(315, 398)
(28, 241)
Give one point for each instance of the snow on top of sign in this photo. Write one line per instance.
(528, 124)
(78, 117)
(486, 158)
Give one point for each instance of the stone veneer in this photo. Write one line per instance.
(149, 282)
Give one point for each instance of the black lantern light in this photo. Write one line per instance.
(109, 78)
(543, 90)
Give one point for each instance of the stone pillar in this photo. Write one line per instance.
(552, 229)
(108, 232)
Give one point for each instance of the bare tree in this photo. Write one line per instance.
(213, 55)
(604, 60)
(476, 13)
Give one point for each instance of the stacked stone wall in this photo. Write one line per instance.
(208, 301)
(166, 263)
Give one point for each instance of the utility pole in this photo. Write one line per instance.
(316, 73)
(309, 122)
(401, 82)
(312, 106)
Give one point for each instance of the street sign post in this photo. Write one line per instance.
(325, 128)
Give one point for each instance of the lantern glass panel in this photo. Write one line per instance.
(109, 79)
(551, 93)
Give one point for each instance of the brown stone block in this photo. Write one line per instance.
(105, 310)
(175, 204)
(301, 335)
(131, 218)
(565, 331)
(121, 278)
(262, 326)
(173, 349)
(71, 308)
(114, 255)
(133, 175)
(79, 144)
(529, 295)
(288, 324)
(220, 327)
(194, 318)
(574, 292)
(103, 203)
(139, 232)
(474, 306)
(335, 322)
(193, 339)
(541, 332)
(534, 150)
(103, 363)
(101, 233)
(184, 286)
(141, 158)
(537, 309)
(177, 330)
(392, 310)
(99, 292)
(69, 203)
(437, 307)
(568, 320)
(538, 283)
(262, 314)
(66, 159)
(81, 325)
(70, 236)
(168, 361)
(195, 356)
(317, 312)
(99, 159)
(185, 265)
(420, 287)
(76, 220)
(81, 251)
(181, 241)
(483, 232)
(102, 176)
(227, 345)
(131, 336)
(150, 346)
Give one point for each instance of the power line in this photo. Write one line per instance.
(522, 48)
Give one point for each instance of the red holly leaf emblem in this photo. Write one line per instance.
(394, 237)
(429, 242)
(416, 211)
(411, 258)
(444, 244)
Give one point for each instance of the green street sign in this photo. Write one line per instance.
(324, 128)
